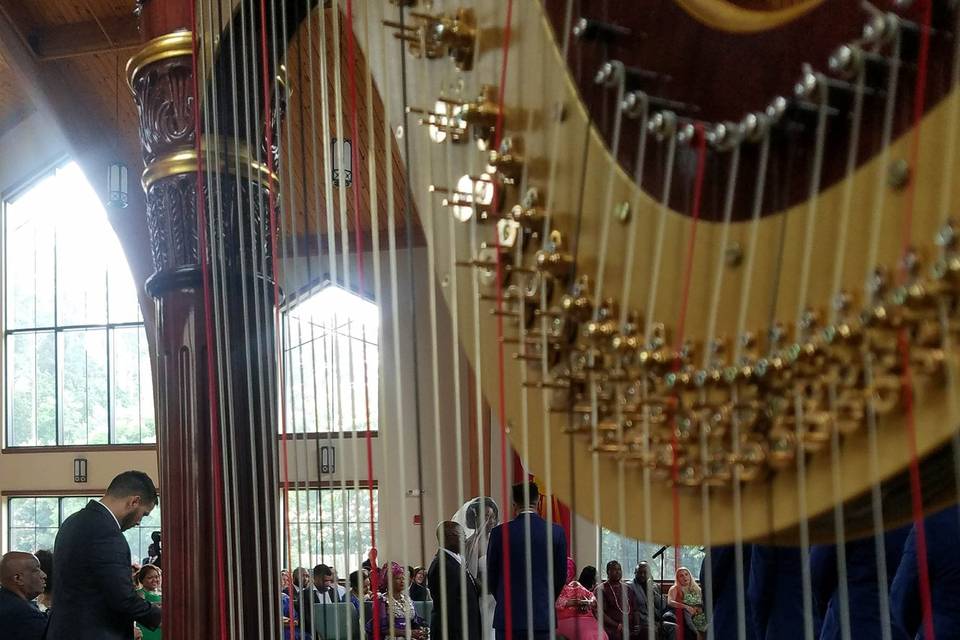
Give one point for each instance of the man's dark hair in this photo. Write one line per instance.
(520, 499)
(588, 577)
(611, 563)
(322, 571)
(355, 581)
(134, 483)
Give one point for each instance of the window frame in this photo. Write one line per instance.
(57, 332)
(287, 549)
(8, 497)
(297, 298)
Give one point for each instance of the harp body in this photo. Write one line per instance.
(698, 299)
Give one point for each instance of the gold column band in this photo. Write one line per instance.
(185, 161)
(171, 45)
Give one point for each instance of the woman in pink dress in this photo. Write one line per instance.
(577, 607)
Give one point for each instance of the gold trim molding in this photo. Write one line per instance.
(171, 45)
(184, 161)
(727, 16)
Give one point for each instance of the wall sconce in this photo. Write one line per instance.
(328, 459)
(117, 186)
(79, 469)
(342, 158)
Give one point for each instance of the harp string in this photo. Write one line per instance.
(916, 495)
(944, 310)
(208, 329)
(708, 352)
(222, 320)
(879, 192)
(501, 392)
(625, 294)
(838, 268)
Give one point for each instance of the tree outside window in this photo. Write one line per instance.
(629, 552)
(76, 356)
(330, 526)
(33, 523)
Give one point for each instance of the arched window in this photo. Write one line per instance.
(332, 363)
(76, 363)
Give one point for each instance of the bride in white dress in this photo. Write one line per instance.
(478, 517)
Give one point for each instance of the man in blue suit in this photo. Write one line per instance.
(943, 533)
(863, 591)
(723, 588)
(775, 594)
(532, 596)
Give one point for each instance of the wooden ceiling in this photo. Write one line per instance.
(83, 45)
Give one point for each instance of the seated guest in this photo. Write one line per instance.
(325, 585)
(289, 618)
(394, 610)
(577, 608)
(418, 587)
(21, 580)
(942, 531)
(775, 594)
(723, 590)
(620, 608)
(359, 595)
(656, 607)
(686, 598)
(45, 599)
(863, 592)
(149, 580)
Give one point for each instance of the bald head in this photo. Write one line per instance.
(450, 536)
(21, 573)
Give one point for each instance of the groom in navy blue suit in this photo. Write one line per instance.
(532, 595)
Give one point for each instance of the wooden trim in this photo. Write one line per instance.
(50, 493)
(80, 448)
(333, 484)
(328, 435)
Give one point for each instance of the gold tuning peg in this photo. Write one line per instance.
(506, 161)
(553, 259)
(456, 34)
(482, 115)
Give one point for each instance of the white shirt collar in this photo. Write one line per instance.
(533, 511)
(455, 556)
(100, 502)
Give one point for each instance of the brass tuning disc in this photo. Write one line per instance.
(481, 115)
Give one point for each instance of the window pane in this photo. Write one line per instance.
(23, 512)
(333, 540)
(46, 537)
(48, 512)
(32, 389)
(23, 540)
(69, 506)
(132, 395)
(30, 259)
(65, 268)
(332, 363)
(84, 394)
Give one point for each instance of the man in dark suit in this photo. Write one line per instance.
(95, 595)
(21, 580)
(942, 531)
(863, 587)
(453, 589)
(532, 597)
(723, 589)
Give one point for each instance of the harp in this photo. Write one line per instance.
(698, 260)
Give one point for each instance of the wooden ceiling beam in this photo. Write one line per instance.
(107, 35)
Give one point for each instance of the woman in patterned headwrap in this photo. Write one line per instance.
(394, 607)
